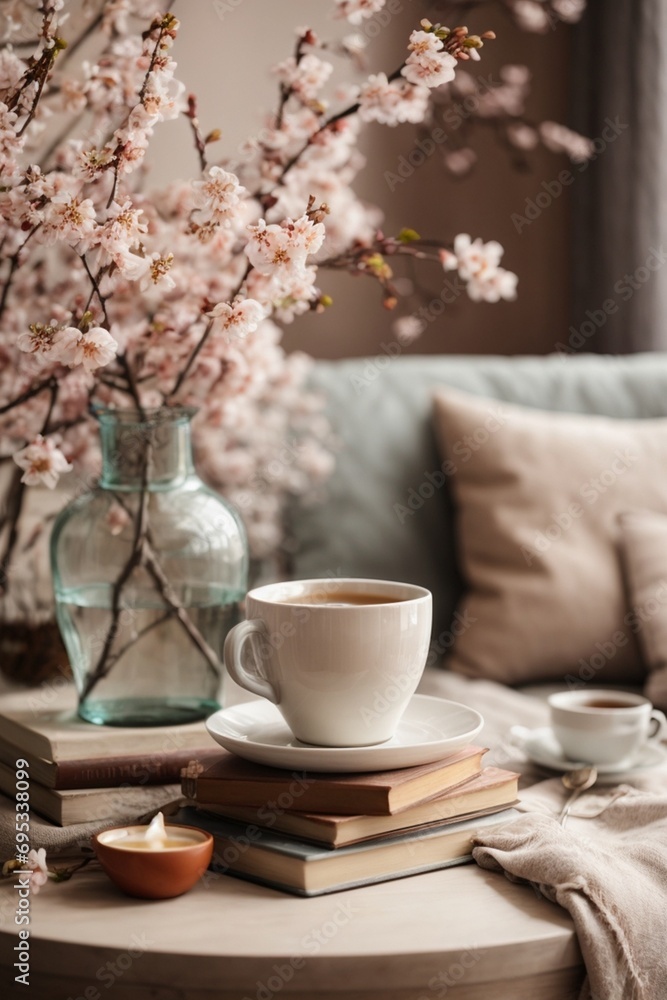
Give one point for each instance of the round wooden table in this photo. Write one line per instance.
(460, 933)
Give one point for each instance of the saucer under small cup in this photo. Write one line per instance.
(542, 748)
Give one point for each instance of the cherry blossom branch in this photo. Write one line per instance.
(204, 337)
(200, 144)
(16, 496)
(166, 24)
(39, 74)
(185, 371)
(135, 638)
(13, 266)
(14, 506)
(131, 383)
(286, 91)
(164, 588)
(96, 289)
(329, 123)
(28, 394)
(103, 666)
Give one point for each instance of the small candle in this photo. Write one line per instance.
(154, 862)
(155, 838)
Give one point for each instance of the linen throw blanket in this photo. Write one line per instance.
(607, 866)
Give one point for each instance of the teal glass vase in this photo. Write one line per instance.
(149, 568)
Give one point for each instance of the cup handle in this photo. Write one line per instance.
(234, 643)
(660, 731)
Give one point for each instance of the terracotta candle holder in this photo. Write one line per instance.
(154, 862)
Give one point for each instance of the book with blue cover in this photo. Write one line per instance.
(304, 869)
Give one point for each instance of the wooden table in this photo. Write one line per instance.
(460, 933)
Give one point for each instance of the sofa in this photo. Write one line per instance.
(390, 511)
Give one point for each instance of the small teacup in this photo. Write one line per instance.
(341, 658)
(604, 727)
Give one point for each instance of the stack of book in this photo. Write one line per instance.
(309, 833)
(79, 772)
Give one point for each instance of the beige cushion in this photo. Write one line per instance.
(538, 498)
(644, 547)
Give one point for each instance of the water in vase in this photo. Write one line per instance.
(142, 650)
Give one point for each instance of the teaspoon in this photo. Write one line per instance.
(577, 782)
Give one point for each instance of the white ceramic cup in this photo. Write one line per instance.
(604, 727)
(341, 673)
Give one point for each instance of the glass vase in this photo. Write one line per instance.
(148, 568)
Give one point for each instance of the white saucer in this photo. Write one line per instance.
(542, 747)
(431, 728)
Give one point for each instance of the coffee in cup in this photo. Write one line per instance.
(341, 658)
(604, 727)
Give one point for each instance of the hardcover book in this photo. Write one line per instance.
(301, 868)
(232, 781)
(46, 725)
(158, 767)
(83, 805)
(491, 791)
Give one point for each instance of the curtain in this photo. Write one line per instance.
(620, 200)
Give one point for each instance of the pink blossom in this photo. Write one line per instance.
(424, 41)
(569, 11)
(157, 274)
(408, 328)
(285, 246)
(477, 263)
(39, 873)
(217, 195)
(93, 349)
(429, 69)
(42, 461)
(560, 139)
(117, 519)
(392, 103)
(355, 11)
(39, 340)
(522, 136)
(131, 265)
(531, 15)
(67, 219)
(165, 98)
(460, 161)
(240, 318)
(122, 228)
(474, 256)
(11, 70)
(305, 78)
(493, 286)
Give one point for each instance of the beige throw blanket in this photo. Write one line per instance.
(607, 866)
(609, 871)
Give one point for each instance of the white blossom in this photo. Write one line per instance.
(93, 349)
(429, 68)
(240, 318)
(36, 864)
(306, 77)
(356, 11)
(283, 247)
(68, 219)
(218, 195)
(43, 462)
(391, 103)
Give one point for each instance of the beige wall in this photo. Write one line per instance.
(226, 61)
